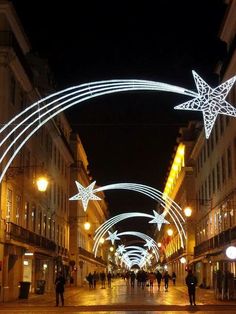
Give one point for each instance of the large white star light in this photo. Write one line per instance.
(211, 101)
(149, 244)
(121, 249)
(159, 220)
(113, 236)
(85, 194)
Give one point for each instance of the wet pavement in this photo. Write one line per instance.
(121, 298)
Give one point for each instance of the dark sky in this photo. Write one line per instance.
(128, 137)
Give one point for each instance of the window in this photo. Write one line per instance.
(218, 175)
(26, 215)
(213, 181)
(45, 225)
(33, 217)
(18, 209)
(229, 162)
(9, 204)
(223, 168)
(209, 186)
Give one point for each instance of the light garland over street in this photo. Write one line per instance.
(25, 124)
(211, 101)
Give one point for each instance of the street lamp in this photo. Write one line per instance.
(42, 183)
(170, 232)
(231, 252)
(188, 211)
(87, 225)
(183, 260)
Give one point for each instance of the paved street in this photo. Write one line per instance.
(121, 298)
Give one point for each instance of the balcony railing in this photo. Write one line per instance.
(215, 242)
(91, 256)
(18, 233)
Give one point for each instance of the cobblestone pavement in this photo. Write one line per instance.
(121, 299)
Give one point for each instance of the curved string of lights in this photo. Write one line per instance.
(107, 225)
(150, 242)
(16, 132)
(170, 207)
(126, 253)
(27, 122)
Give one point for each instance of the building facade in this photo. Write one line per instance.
(210, 189)
(35, 227)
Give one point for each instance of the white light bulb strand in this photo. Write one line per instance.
(156, 195)
(93, 93)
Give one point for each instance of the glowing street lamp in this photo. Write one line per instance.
(231, 252)
(170, 232)
(183, 260)
(87, 225)
(188, 211)
(111, 249)
(159, 244)
(42, 183)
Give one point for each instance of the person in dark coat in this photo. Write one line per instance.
(191, 282)
(159, 278)
(59, 285)
(173, 277)
(166, 278)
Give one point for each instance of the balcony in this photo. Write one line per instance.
(15, 232)
(90, 256)
(221, 239)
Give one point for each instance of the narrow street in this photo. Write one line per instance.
(121, 298)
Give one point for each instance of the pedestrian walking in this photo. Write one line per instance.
(132, 279)
(59, 287)
(103, 279)
(166, 278)
(191, 282)
(159, 278)
(151, 278)
(109, 279)
(173, 278)
(90, 280)
(95, 279)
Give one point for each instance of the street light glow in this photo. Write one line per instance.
(42, 184)
(231, 252)
(188, 211)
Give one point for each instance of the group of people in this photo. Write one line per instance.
(142, 278)
(95, 277)
(147, 279)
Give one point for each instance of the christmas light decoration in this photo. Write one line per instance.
(85, 194)
(33, 117)
(104, 228)
(211, 101)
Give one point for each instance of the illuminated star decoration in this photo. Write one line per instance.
(121, 249)
(85, 194)
(159, 220)
(113, 236)
(149, 244)
(211, 101)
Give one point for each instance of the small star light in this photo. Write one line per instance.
(211, 101)
(113, 237)
(149, 244)
(121, 249)
(85, 194)
(159, 220)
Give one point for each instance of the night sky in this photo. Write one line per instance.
(128, 137)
